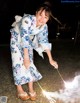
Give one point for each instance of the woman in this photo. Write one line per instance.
(29, 32)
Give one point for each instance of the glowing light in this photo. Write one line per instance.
(58, 33)
(68, 85)
(49, 96)
(71, 85)
(70, 94)
(72, 38)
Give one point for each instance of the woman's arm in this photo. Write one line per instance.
(52, 62)
(45, 45)
(26, 58)
(25, 40)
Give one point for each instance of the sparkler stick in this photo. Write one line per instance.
(60, 75)
(40, 86)
(47, 94)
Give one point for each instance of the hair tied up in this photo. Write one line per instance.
(46, 3)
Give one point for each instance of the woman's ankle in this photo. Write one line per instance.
(20, 92)
(31, 91)
(20, 89)
(33, 96)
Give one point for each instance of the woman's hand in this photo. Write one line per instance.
(26, 63)
(54, 63)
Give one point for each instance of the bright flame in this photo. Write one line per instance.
(49, 96)
(70, 94)
(68, 85)
(71, 85)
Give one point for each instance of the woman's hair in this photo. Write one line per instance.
(47, 7)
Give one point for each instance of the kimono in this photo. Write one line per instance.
(25, 34)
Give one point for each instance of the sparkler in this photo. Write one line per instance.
(73, 84)
(66, 95)
(68, 85)
(60, 76)
(47, 94)
(50, 95)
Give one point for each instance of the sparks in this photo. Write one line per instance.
(71, 85)
(49, 96)
(70, 94)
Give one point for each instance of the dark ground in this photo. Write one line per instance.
(64, 52)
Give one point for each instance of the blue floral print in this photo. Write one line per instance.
(25, 34)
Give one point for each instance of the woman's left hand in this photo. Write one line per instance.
(54, 63)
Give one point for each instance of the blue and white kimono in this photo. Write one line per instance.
(25, 34)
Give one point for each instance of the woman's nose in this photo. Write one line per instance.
(42, 20)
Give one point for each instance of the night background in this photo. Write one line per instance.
(65, 39)
(68, 13)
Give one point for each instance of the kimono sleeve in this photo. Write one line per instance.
(43, 41)
(24, 28)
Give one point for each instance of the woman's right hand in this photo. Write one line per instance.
(54, 63)
(26, 63)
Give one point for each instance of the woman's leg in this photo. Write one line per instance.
(20, 89)
(21, 94)
(32, 93)
(31, 88)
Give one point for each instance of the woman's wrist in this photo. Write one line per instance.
(50, 59)
(26, 59)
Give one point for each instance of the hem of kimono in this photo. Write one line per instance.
(29, 81)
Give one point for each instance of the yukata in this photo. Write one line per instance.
(25, 34)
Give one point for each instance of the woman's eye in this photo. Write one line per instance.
(46, 17)
(40, 14)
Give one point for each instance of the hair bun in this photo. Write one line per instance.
(47, 4)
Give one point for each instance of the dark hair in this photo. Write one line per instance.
(47, 7)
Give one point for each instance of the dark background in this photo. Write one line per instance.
(64, 51)
(66, 13)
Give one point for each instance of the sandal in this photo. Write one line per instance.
(32, 96)
(23, 96)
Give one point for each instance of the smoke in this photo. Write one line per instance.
(71, 92)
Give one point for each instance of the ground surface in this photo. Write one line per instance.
(64, 52)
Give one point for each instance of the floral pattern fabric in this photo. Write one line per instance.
(25, 34)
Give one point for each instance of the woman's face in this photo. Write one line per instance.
(41, 18)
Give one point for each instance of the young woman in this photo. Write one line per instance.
(29, 32)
